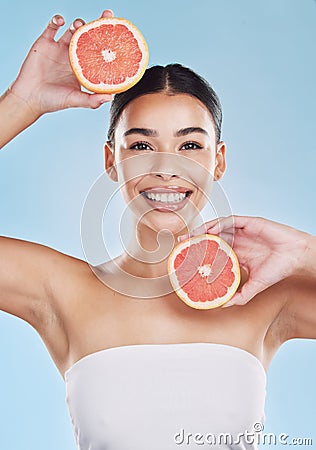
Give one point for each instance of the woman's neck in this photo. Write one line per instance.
(148, 250)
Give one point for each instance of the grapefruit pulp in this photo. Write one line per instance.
(108, 55)
(204, 271)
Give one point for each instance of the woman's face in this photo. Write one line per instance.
(165, 157)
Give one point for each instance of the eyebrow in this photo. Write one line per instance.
(153, 133)
(143, 131)
(189, 130)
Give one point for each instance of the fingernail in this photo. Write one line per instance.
(54, 20)
(72, 27)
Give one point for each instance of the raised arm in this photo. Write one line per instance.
(29, 272)
(45, 83)
(15, 116)
(28, 275)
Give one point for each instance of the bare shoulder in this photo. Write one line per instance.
(68, 278)
(29, 275)
(37, 281)
(38, 285)
(71, 284)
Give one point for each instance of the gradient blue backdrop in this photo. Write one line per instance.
(260, 58)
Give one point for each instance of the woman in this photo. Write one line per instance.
(128, 360)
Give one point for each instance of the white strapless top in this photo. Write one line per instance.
(166, 397)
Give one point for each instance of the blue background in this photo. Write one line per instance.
(260, 58)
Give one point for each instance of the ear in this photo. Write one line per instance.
(220, 160)
(109, 161)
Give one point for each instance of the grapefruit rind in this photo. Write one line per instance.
(103, 88)
(175, 283)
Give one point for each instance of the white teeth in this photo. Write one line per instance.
(166, 198)
(173, 198)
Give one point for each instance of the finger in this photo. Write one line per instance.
(211, 227)
(85, 100)
(231, 223)
(53, 26)
(107, 13)
(240, 221)
(227, 237)
(237, 300)
(66, 37)
(223, 224)
(249, 290)
(96, 100)
(230, 303)
(220, 224)
(196, 232)
(202, 229)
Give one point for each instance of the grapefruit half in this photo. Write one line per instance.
(108, 55)
(204, 271)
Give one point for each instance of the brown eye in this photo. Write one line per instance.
(140, 146)
(191, 146)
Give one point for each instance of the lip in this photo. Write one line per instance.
(166, 189)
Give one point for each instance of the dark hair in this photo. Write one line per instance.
(171, 79)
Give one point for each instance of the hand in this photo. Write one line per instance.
(267, 250)
(46, 81)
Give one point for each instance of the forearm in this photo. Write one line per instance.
(308, 262)
(15, 116)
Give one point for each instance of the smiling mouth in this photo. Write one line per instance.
(167, 200)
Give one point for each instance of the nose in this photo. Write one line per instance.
(165, 176)
(165, 166)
